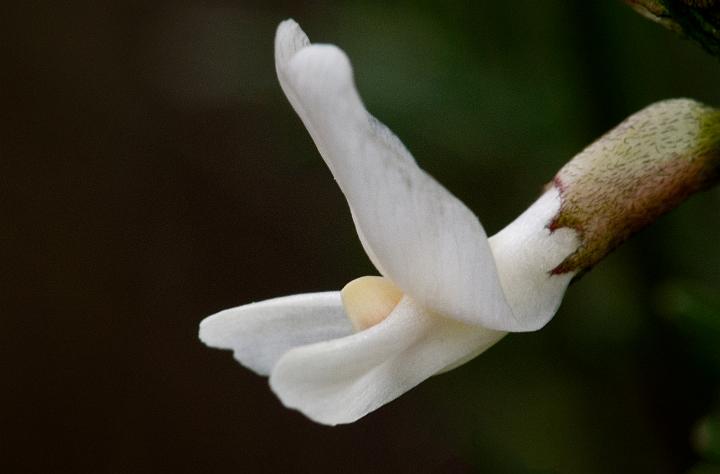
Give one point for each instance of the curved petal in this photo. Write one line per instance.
(342, 380)
(527, 252)
(260, 333)
(415, 232)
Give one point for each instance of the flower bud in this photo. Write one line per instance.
(638, 171)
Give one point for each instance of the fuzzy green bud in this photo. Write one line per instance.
(641, 169)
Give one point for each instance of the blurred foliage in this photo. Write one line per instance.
(695, 19)
(707, 437)
(692, 309)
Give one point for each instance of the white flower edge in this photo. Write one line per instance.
(260, 333)
(342, 380)
(527, 251)
(415, 232)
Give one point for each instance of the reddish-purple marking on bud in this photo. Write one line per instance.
(641, 169)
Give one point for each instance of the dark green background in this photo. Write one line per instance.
(153, 173)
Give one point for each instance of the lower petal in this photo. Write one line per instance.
(339, 381)
(260, 333)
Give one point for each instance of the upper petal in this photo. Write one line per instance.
(414, 231)
(342, 380)
(260, 333)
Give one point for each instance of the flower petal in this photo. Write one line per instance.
(342, 380)
(260, 333)
(415, 232)
(527, 252)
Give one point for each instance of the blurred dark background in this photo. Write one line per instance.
(153, 173)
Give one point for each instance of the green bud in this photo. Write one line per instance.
(632, 175)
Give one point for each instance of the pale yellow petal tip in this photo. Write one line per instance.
(369, 299)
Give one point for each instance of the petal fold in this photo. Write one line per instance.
(260, 333)
(527, 251)
(415, 232)
(339, 381)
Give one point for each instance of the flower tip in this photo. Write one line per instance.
(289, 39)
(368, 300)
(207, 332)
(288, 29)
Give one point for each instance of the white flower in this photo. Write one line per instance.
(459, 292)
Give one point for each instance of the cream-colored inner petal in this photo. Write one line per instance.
(369, 299)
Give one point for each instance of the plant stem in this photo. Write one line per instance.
(698, 20)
